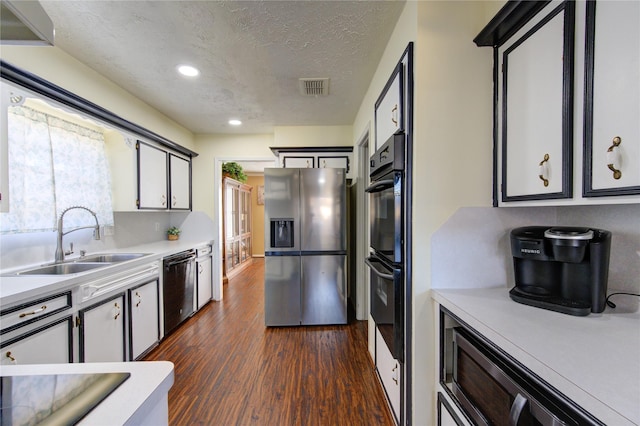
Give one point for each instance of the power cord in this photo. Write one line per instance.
(613, 305)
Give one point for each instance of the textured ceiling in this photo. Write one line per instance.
(250, 55)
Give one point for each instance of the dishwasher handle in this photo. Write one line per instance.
(178, 258)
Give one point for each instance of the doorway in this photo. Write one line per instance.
(254, 167)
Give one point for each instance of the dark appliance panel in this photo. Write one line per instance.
(386, 220)
(178, 289)
(386, 300)
(495, 391)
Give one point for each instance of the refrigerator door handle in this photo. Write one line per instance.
(375, 271)
(380, 186)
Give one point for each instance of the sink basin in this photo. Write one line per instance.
(62, 269)
(109, 257)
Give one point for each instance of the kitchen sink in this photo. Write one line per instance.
(81, 264)
(109, 257)
(62, 269)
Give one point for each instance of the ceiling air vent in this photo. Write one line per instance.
(314, 86)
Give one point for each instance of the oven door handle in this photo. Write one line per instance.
(380, 186)
(375, 271)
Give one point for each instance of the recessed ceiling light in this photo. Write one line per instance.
(235, 122)
(188, 70)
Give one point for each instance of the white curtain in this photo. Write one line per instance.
(53, 165)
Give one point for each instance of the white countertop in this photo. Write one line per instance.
(593, 360)
(130, 403)
(17, 288)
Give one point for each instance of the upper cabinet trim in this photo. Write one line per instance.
(43, 87)
(513, 16)
(302, 149)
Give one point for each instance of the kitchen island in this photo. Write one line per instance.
(591, 360)
(142, 399)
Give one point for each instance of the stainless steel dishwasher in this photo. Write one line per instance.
(178, 288)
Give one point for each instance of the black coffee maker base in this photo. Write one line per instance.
(551, 303)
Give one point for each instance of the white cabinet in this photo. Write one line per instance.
(296, 162)
(144, 318)
(568, 97)
(50, 343)
(389, 108)
(612, 108)
(447, 415)
(102, 331)
(389, 371)
(336, 157)
(333, 162)
(180, 178)
(38, 332)
(164, 179)
(204, 278)
(152, 177)
(535, 95)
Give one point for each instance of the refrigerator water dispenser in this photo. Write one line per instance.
(281, 233)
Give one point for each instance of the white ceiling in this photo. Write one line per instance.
(250, 55)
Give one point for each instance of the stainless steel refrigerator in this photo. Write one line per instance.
(305, 247)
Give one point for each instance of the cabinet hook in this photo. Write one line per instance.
(544, 170)
(613, 157)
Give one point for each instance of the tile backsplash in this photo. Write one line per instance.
(131, 229)
(472, 249)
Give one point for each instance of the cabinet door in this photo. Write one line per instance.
(390, 375)
(337, 162)
(102, 337)
(389, 108)
(48, 344)
(298, 162)
(180, 177)
(204, 281)
(536, 121)
(612, 108)
(446, 414)
(152, 177)
(144, 318)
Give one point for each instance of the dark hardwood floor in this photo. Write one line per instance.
(232, 370)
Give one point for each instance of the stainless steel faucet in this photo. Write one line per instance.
(59, 249)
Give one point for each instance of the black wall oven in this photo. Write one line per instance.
(386, 301)
(387, 198)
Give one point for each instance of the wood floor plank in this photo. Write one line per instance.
(232, 370)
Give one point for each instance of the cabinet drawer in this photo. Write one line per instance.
(28, 313)
(49, 344)
(390, 374)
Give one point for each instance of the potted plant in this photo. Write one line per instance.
(234, 171)
(173, 233)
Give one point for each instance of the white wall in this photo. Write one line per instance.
(296, 136)
(56, 66)
(404, 32)
(452, 156)
(452, 146)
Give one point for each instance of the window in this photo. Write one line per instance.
(54, 164)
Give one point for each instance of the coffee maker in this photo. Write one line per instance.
(564, 269)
